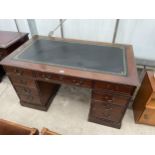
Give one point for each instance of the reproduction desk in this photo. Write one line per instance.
(9, 41)
(41, 65)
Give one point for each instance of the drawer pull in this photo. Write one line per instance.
(145, 116)
(106, 114)
(61, 77)
(18, 72)
(110, 100)
(78, 83)
(27, 90)
(30, 98)
(23, 82)
(108, 108)
(47, 77)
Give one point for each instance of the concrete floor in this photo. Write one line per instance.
(67, 114)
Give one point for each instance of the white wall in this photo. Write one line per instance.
(139, 33)
(90, 29)
(7, 25)
(23, 25)
(44, 26)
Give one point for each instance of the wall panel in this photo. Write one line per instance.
(7, 25)
(23, 25)
(44, 26)
(90, 29)
(139, 33)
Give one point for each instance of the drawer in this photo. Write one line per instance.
(16, 80)
(30, 99)
(65, 79)
(26, 91)
(148, 116)
(78, 82)
(153, 95)
(110, 98)
(108, 111)
(45, 76)
(19, 71)
(114, 87)
(104, 121)
(151, 104)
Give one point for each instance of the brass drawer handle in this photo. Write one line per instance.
(108, 108)
(28, 91)
(30, 98)
(18, 72)
(145, 116)
(23, 82)
(110, 100)
(78, 83)
(61, 77)
(106, 114)
(47, 76)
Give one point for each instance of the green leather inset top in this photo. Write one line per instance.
(108, 59)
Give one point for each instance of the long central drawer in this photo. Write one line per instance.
(64, 79)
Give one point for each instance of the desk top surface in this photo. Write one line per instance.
(75, 55)
(78, 58)
(7, 38)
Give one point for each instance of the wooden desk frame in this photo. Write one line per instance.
(37, 84)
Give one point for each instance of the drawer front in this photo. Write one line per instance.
(148, 117)
(22, 81)
(114, 87)
(65, 79)
(110, 98)
(19, 71)
(107, 111)
(153, 95)
(104, 121)
(78, 82)
(30, 99)
(26, 90)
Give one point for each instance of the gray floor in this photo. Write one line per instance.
(67, 114)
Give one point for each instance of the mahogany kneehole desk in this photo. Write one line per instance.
(41, 65)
